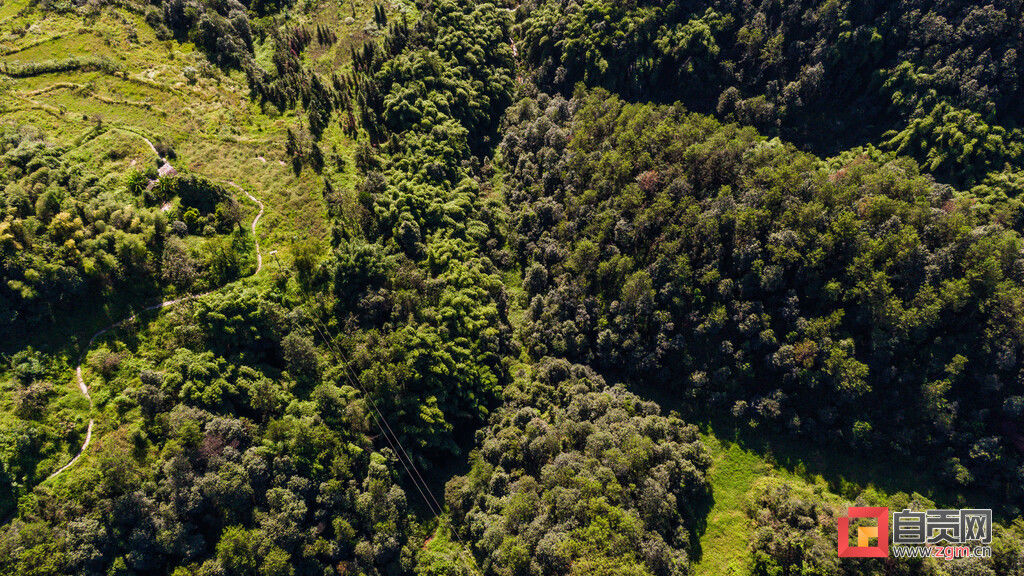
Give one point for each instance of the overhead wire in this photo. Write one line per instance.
(379, 419)
(347, 366)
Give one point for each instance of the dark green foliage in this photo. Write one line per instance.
(64, 234)
(241, 444)
(847, 295)
(830, 74)
(574, 475)
(194, 191)
(221, 29)
(301, 358)
(795, 531)
(851, 302)
(425, 283)
(958, 144)
(223, 467)
(39, 427)
(67, 236)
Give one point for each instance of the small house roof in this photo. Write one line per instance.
(167, 170)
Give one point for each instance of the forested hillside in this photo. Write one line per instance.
(851, 301)
(454, 287)
(825, 74)
(71, 234)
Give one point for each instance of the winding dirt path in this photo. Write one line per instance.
(255, 221)
(165, 304)
(151, 146)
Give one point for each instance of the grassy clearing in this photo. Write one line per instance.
(741, 457)
(845, 472)
(838, 475)
(167, 91)
(724, 544)
(214, 128)
(736, 468)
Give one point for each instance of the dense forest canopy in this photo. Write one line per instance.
(579, 475)
(823, 73)
(852, 300)
(575, 254)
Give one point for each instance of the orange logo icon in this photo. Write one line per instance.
(864, 549)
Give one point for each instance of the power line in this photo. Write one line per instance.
(383, 433)
(350, 375)
(415, 469)
(378, 418)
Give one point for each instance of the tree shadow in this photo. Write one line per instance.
(846, 471)
(699, 513)
(67, 331)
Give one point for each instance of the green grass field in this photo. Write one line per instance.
(726, 538)
(213, 126)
